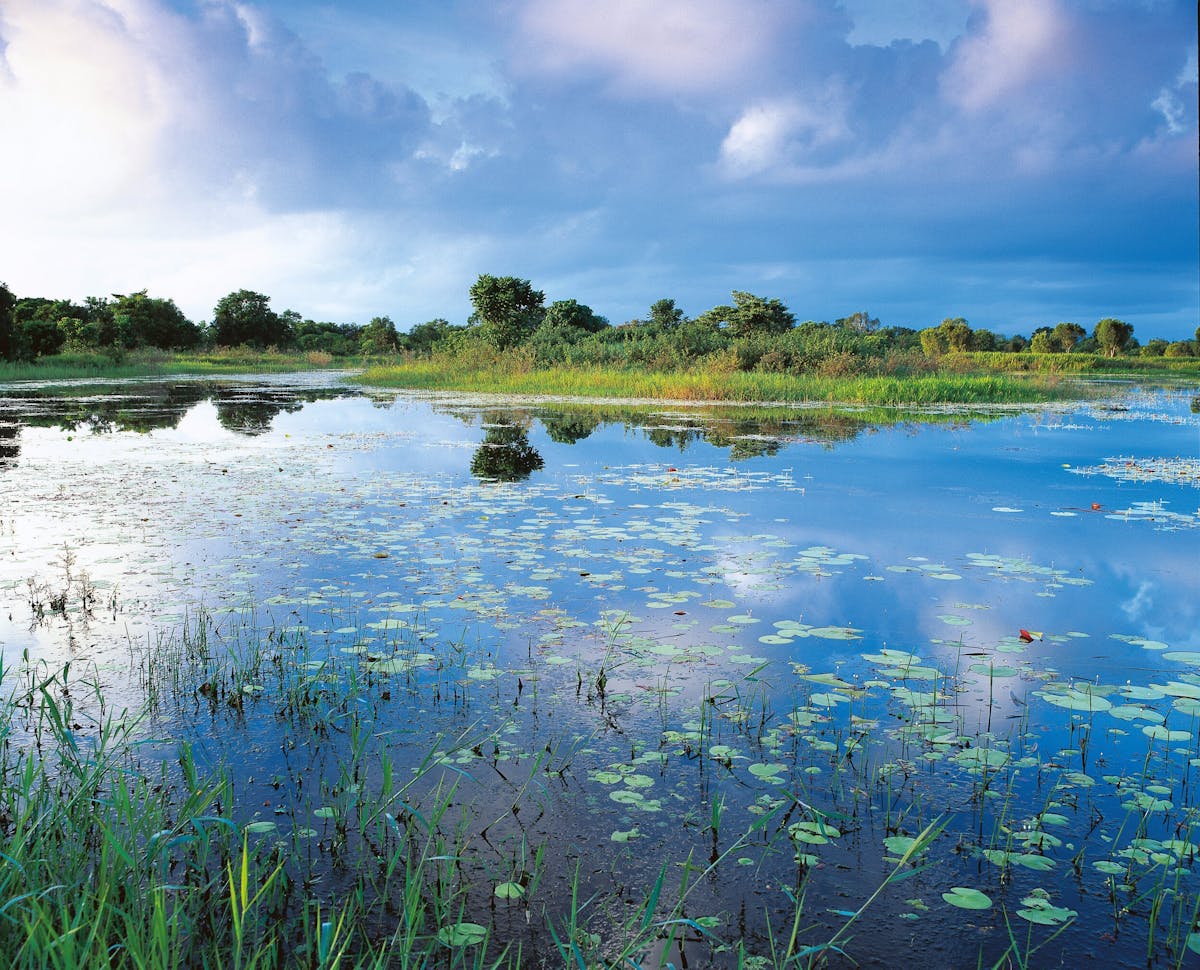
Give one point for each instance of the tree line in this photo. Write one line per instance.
(508, 313)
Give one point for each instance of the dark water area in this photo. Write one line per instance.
(751, 653)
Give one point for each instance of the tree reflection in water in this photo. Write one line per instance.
(505, 454)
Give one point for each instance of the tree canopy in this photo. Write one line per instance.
(750, 315)
(507, 309)
(246, 317)
(1112, 335)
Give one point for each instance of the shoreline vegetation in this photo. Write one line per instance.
(956, 378)
(751, 350)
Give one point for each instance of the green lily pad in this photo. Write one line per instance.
(1041, 911)
(965, 898)
(510, 890)
(462, 934)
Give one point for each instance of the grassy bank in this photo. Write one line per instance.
(154, 363)
(711, 385)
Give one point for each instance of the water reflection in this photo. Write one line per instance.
(568, 428)
(505, 455)
(151, 406)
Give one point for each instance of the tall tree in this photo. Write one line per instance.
(665, 315)
(379, 337)
(146, 321)
(750, 315)
(1066, 335)
(507, 309)
(246, 317)
(1112, 335)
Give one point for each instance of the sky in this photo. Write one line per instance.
(1014, 162)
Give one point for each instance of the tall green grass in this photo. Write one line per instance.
(153, 363)
(716, 385)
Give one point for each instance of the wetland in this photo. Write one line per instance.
(297, 672)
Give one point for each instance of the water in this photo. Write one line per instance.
(835, 628)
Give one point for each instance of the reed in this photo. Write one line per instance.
(721, 385)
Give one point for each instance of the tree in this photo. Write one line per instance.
(507, 310)
(379, 337)
(569, 315)
(145, 321)
(859, 322)
(246, 317)
(1066, 335)
(422, 338)
(1113, 335)
(1043, 342)
(984, 340)
(750, 315)
(665, 315)
(953, 333)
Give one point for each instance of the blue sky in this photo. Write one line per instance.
(1015, 162)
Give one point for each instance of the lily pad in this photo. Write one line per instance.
(462, 934)
(965, 898)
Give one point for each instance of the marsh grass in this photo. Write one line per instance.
(156, 363)
(715, 384)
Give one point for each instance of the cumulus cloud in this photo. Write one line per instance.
(782, 135)
(145, 143)
(652, 46)
(1022, 41)
(107, 97)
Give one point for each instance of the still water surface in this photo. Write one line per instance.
(847, 625)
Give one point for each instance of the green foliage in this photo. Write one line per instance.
(1043, 343)
(379, 337)
(8, 300)
(565, 324)
(1112, 335)
(246, 317)
(145, 321)
(507, 309)
(665, 316)
(859, 322)
(338, 339)
(952, 334)
(425, 337)
(38, 337)
(569, 315)
(1066, 335)
(750, 315)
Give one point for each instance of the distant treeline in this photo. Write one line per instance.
(750, 333)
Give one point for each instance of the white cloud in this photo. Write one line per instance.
(192, 156)
(780, 135)
(1171, 102)
(83, 106)
(1021, 41)
(658, 46)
